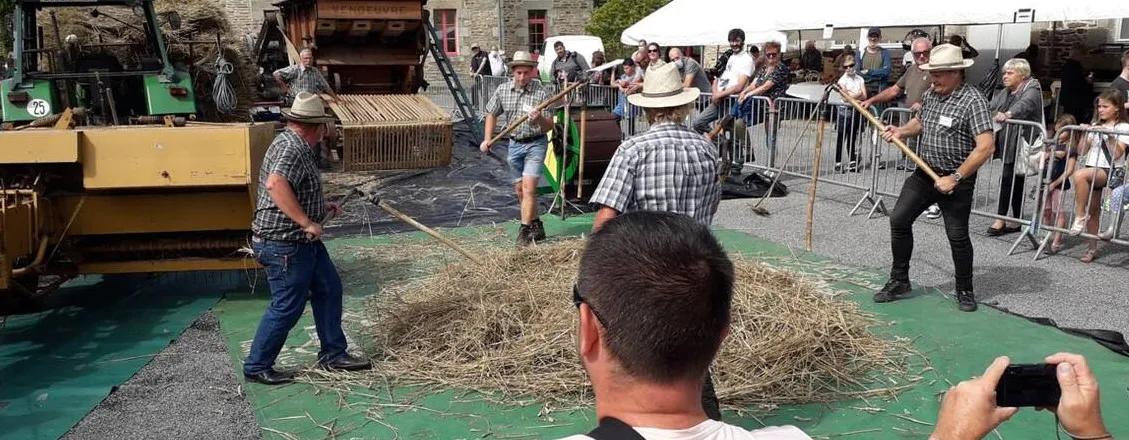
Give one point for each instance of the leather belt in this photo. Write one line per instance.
(528, 139)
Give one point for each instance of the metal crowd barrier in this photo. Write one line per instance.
(879, 168)
(1097, 202)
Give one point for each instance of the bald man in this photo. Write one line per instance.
(693, 75)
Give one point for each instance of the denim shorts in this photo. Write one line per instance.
(527, 158)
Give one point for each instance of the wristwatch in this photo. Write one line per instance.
(957, 176)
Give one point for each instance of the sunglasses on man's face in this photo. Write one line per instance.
(848, 66)
(921, 54)
(772, 54)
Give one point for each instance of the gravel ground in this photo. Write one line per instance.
(189, 391)
(1059, 287)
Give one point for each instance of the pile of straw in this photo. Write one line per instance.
(507, 330)
(201, 22)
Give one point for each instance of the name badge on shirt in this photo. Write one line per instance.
(945, 121)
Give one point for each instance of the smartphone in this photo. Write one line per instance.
(1028, 385)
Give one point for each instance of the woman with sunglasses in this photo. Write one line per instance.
(770, 81)
(847, 122)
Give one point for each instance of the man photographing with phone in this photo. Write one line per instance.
(969, 410)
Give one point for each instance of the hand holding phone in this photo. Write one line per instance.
(1079, 409)
(969, 411)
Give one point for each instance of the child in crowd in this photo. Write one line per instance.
(1099, 156)
(1055, 209)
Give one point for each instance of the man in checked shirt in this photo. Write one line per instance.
(289, 210)
(956, 139)
(304, 77)
(669, 168)
(528, 143)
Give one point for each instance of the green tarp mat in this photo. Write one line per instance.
(56, 366)
(956, 346)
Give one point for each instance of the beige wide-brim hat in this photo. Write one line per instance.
(522, 59)
(946, 57)
(308, 108)
(662, 87)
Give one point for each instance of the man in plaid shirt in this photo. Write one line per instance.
(956, 139)
(304, 77)
(289, 210)
(669, 168)
(528, 143)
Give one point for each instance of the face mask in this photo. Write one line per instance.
(678, 63)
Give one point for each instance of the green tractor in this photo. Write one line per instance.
(113, 84)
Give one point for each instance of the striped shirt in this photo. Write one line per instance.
(512, 102)
(950, 125)
(301, 79)
(291, 157)
(669, 168)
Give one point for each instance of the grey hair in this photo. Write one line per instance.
(1020, 66)
(306, 51)
(928, 44)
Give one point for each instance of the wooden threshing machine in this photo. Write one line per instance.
(131, 187)
(372, 53)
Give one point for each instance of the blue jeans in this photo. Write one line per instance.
(526, 158)
(297, 271)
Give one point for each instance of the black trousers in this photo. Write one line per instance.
(848, 124)
(917, 195)
(1011, 191)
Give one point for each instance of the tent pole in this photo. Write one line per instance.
(999, 41)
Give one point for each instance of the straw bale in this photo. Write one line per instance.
(508, 330)
(201, 20)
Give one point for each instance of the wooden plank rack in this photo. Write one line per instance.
(393, 132)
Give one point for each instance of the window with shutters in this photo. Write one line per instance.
(444, 22)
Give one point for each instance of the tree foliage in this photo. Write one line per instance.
(610, 19)
(6, 7)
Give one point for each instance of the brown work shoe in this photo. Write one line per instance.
(538, 230)
(525, 235)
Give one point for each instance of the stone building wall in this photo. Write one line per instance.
(1056, 45)
(477, 24)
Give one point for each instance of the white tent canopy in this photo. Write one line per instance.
(707, 22)
(701, 23)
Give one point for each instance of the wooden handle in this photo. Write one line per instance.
(392, 211)
(540, 107)
(810, 215)
(881, 127)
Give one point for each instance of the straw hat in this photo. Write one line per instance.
(307, 108)
(946, 57)
(522, 58)
(662, 87)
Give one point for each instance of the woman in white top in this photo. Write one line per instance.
(848, 122)
(1098, 155)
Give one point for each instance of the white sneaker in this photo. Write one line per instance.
(933, 212)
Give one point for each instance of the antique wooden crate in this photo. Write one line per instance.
(392, 132)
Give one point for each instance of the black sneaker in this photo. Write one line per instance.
(538, 230)
(891, 290)
(966, 301)
(525, 235)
